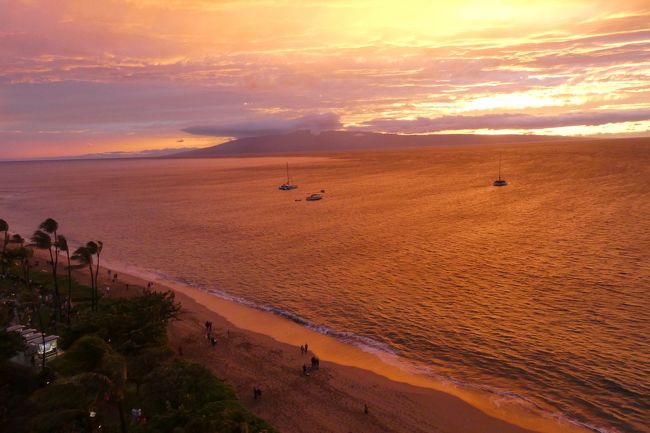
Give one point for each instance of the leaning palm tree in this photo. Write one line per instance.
(84, 256)
(45, 238)
(62, 243)
(96, 249)
(4, 227)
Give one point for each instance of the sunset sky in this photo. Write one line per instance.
(79, 76)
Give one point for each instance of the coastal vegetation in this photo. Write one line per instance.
(115, 371)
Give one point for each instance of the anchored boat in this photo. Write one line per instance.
(287, 185)
(499, 181)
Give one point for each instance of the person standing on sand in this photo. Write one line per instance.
(365, 408)
(306, 348)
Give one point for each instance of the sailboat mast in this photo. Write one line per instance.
(499, 166)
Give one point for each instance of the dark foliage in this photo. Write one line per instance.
(130, 325)
(186, 397)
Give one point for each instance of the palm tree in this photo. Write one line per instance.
(95, 248)
(85, 257)
(45, 238)
(4, 227)
(62, 242)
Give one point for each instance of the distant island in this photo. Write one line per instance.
(343, 141)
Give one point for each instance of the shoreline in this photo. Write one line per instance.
(465, 410)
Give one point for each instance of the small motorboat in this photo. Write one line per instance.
(314, 197)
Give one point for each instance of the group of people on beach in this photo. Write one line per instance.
(208, 332)
(315, 362)
(113, 276)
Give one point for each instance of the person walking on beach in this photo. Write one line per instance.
(213, 341)
(365, 408)
(306, 348)
(257, 393)
(302, 349)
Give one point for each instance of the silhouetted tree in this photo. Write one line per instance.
(87, 371)
(96, 249)
(45, 238)
(62, 242)
(4, 228)
(85, 258)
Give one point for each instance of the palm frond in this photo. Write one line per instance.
(41, 240)
(62, 243)
(92, 247)
(83, 255)
(49, 225)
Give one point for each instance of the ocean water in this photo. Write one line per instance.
(538, 292)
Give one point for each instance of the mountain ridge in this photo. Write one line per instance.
(341, 141)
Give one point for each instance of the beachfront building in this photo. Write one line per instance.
(38, 346)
